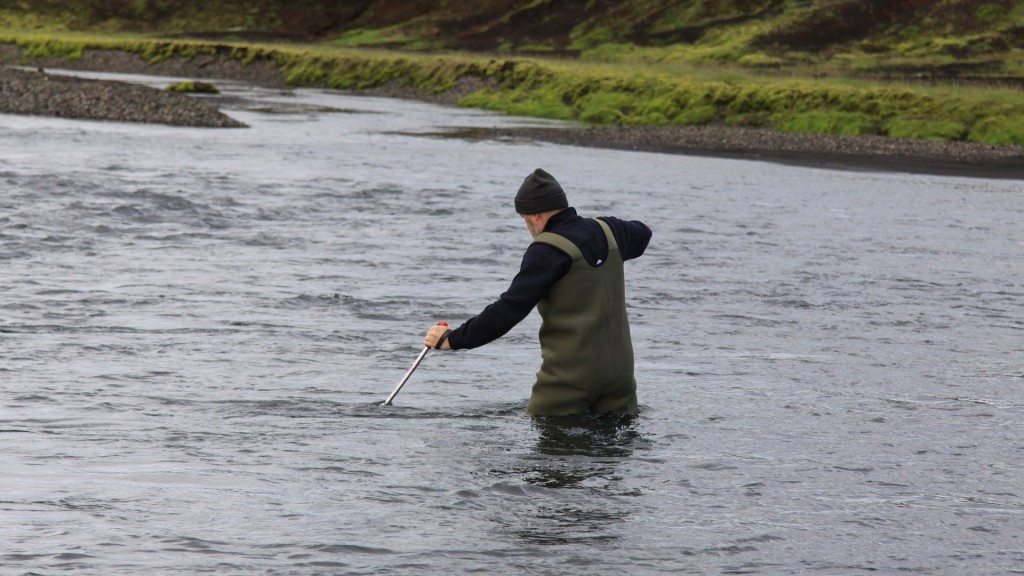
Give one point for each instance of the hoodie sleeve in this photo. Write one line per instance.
(542, 266)
(632, 236)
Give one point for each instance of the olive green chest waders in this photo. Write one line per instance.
(587, 354)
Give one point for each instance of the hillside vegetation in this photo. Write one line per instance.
(941, 69)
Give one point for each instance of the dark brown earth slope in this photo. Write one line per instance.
(563, 25)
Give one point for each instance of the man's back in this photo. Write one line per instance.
(585, 342)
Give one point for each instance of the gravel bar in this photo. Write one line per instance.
(814, 150)
(41, 94)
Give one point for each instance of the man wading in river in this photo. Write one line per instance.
(573, 274)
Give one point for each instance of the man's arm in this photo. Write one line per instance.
(542, 266)
(632, 236)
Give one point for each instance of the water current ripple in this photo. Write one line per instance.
(198, 327)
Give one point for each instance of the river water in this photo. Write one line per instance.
(197, 328)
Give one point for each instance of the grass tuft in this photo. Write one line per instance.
(193, 87)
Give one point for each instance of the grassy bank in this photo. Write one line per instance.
(621, 92)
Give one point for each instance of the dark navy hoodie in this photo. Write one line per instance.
(542, 266)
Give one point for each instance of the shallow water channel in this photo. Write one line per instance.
(197, 328)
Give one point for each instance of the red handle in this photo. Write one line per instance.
(442, 323)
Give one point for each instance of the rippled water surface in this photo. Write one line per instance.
(197, 328)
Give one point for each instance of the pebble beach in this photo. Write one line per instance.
(27, 88)
(42, 94)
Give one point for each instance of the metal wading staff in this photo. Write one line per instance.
(409, 373)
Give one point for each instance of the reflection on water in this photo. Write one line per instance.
(572, 485)
(575, 449)
(596, 435)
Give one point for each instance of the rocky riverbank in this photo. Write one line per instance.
(814, 150)
(29, 92)
(42, 94)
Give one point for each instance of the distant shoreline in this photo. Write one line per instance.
(829, 151)
(870, 153)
